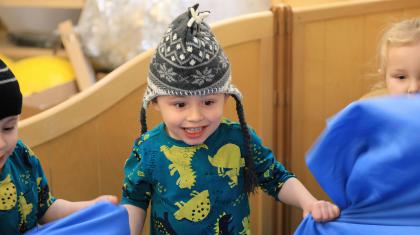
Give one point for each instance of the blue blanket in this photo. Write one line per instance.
(368, 161)
(101, 218)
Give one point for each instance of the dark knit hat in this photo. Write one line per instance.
(10, 96)
(189, 61)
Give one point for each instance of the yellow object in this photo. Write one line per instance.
(9, 62)
(8, 194)
(36, 74)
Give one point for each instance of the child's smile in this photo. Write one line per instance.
(191, 119)
(194, 132)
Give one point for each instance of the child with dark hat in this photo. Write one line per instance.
(25, 198)
(196, 168)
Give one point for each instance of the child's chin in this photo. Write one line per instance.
(193, 142)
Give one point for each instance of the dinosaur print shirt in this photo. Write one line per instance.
(197, 188)
(24, 193)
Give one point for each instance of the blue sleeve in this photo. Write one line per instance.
(137, 188)
(270, 173)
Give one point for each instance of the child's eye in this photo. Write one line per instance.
(209, 102)
(11, 128)
(400, 77)
(179, 105)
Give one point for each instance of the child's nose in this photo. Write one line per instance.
(414, 86)
(195, 114)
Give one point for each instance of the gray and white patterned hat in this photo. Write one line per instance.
(189, 61)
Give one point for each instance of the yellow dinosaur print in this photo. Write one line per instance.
(246, 225)
(38, 183)
(140, 173)
(228, 156)
(226, 121)
(196, 209)
(8, 197)
(222, 224)
(24, 208)
(216, 225)
(267, 173)
(146, 136)
(181, 161)
(50, 199)
(31, 153)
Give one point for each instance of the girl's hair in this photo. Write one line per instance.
(403, 33)
(249, 175)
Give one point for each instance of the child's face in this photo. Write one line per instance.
(8, 138)
(191, 119)
(403, 69)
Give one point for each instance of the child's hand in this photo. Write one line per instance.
(110, 198)
(323, 211)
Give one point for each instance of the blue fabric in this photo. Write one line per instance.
(368, 161)
(101, 218)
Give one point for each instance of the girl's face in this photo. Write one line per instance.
(402, 73)
(191, 119)
(8, 138)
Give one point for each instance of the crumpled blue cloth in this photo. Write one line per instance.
(101, 218)
(368, 161)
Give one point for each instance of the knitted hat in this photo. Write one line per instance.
(189, 61)
(10, 96)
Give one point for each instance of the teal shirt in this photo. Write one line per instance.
(198, 189)
(24, 192)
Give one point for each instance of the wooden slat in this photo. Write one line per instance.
(281, 94)
(85, 76)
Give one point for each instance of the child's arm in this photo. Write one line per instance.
(294, 193)
(62, 208)
(136, 217)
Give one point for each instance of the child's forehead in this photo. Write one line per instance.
(9, 119)
(193, 97)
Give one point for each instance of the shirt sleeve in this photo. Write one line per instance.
(137, 187)
(271, 174)
(45, 199)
